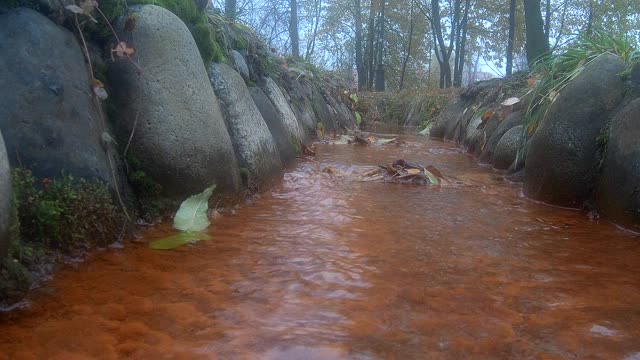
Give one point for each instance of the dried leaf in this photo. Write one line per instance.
(487, 116)
(413, 171)
(372, 139)
(74, 9)
(88, 6)
(98, 89)
(130, 24)
(122, 50)
(308, 151)
(361, 141)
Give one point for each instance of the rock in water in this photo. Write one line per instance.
(5, 199)
(180, 136)
(48, 117)
(253, 143)
(507, 148)
(276, 126)
(514, 119)
(619, 192)
(562, 158)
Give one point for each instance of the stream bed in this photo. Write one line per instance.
(323, 266)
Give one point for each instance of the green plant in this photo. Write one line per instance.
(64, 213)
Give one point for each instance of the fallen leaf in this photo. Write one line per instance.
(372, 139)
(98, 89)
(74, 9)
(413, 171)
(88, 6)
(174, 241)
(130, 24)
(487, 116)
(432, 179)
(122, 50)
(308, 151)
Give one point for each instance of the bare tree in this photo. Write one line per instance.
(512, 36)
(536, 44)
(294, 35)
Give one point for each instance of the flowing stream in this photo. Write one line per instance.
(326, 267)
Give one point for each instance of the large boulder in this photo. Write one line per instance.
(514, 119)
(49, 119)
(562, 155)
(5, 199)
(276, 126)
(252, 141)
(507, 148)
(619, 192)
(280, 104)
(448, 117)
(180, 136)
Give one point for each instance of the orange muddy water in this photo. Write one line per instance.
(326, 267)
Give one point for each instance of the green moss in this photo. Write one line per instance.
(244, 176)
(153, 205)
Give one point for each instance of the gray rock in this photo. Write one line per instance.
(514, 119)
(473, 134)
(5, 199)
(635, 76)
(619, 191)
(47, 114)
(324, 114)
(280, 104)
(562, 155)
(451, 114)
(305, 115)
(239, 64)
(180, 137)
(507, 148)
(251, 138)
(276, 126)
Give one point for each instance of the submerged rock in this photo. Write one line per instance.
(252, 140)
(619, 192)
(48, 116)
(507, 148)
(562, 157)
(5, 199)
(180, 136)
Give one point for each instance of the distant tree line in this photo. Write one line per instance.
(396, 44)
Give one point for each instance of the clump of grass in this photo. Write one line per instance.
(554, 72)
(52, 216)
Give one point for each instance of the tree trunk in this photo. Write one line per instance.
(293, 29)
(512, 36)
(362, 75)
(311, 44)
(547, 22)
(443, 54)
(370, 45)
(590, 20)
(462, 43)
(380, 85)
(408, 52)
(536, 45)
(230, 7)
